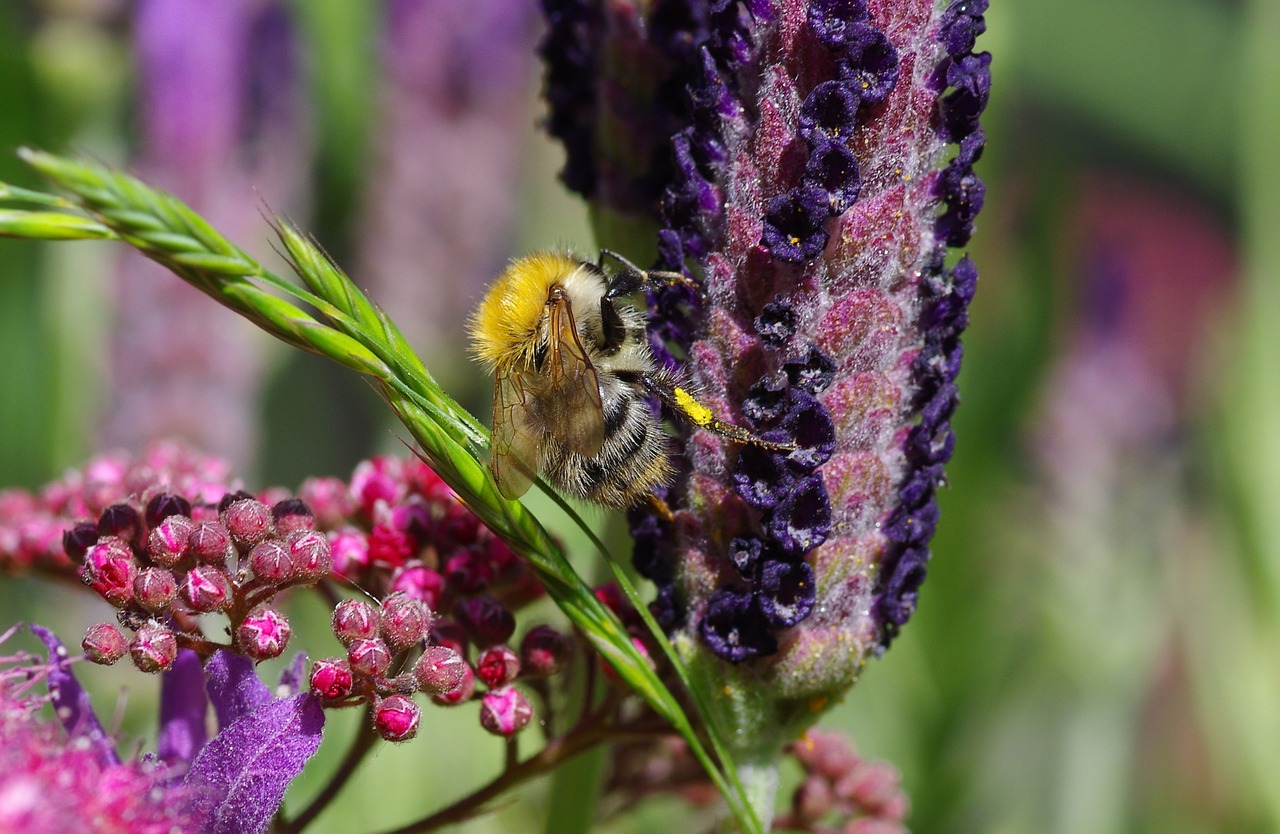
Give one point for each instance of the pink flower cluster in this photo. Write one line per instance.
(169, 537)
(448, 588)
(843, 793)
(32, 525)
(49, 782)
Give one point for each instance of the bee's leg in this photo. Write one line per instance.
(659, 506)
(632, 278)
(681, 401)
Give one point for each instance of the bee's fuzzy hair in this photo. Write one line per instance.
(503, 327)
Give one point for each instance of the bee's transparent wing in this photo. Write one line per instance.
(514, 450)
(572, 407)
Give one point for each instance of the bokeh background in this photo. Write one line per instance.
(1098, 644)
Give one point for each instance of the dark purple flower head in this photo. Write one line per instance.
(870, 64)
(833, 168)
(811, 189)
(829, 111)
(735, 628)
(831, 20)
(795, 224)
(776, 323)
(786, 592)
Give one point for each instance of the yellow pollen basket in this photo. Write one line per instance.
(697, 413)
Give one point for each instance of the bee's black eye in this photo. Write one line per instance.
(612, 327)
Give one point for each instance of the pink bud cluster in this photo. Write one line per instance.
(32, 525)
(449, 588)
(398, 527)
(399, 647)
(843, 792)
(165, 561)
(398, 531)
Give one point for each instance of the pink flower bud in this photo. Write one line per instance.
(874, 787)
(350, 551)
(153, 648)
(328, 499)
(249, 522)
(354, 619)
(155, 588)
(440, 670)
(263, 634)
(396, 718)
(331, 678)
(291, 516)
(462, 692)
(109, 569)
(505, 711)
(377, 480)
(389, 545)
(121, 521)
(826, 752)
(162, 505)
(169, 541)
(104, 644)
(370, 658)
(486, 620)
(271, 563)
(311, 555)
(207, 588)
(420, 582)
(872, 825)
(449, 633)
(812, 800)
(405, 620)
(211, 543)
(497, 666)
(543, 651)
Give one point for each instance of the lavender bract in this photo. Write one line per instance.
(805, 177)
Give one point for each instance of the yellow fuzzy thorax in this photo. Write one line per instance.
(505, 325)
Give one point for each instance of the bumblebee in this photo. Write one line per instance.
(572, 370)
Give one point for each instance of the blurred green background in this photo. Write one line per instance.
(1098, 644)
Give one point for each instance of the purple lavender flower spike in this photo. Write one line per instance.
(221, 123)
(239, 779)
(71, 702)
(183, 707)
(234, 687)
(453, 115)
(832, 315)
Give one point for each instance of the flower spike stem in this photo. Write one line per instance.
(353, 332)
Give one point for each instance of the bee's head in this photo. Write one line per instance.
(509, 328)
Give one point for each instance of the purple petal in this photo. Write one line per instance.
(294, 677)
(234, 687)
(183, 707)
(240, 777)
(71, 702)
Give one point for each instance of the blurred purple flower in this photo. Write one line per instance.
(453, 121)
(221, 124)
